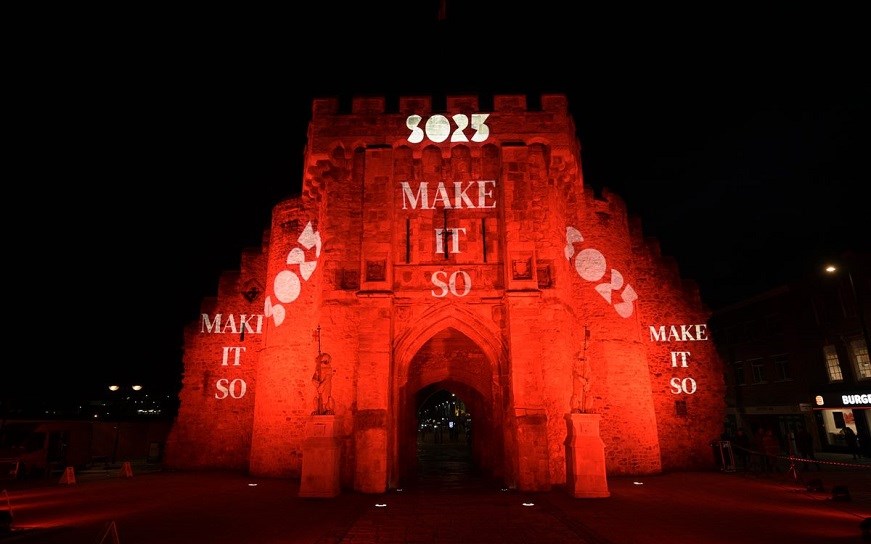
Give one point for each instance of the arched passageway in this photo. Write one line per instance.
(444, 440)
(449, 428)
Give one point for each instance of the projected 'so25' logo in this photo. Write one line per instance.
(438, 128)
(590, 265)
(287, 286)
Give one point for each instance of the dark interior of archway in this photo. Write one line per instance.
(450, 384)
(444, 440)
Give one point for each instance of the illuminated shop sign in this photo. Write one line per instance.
(842, 399)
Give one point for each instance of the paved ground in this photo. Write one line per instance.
(448, 505)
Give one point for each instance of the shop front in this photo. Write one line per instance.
(837, 413)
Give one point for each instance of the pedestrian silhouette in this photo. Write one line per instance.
(742, 448)
(852, 441)
(804, 441)
(864, 441)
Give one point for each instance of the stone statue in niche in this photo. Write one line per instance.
(323, 380)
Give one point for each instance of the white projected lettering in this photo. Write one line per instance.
(591, 266)
(679, 356)
(451, 286)
(482, 131)
(450, 196)
(437, 128)
(219, 325)
(697, 332)
(286, 286)
(679, 333)
(855, 399)
(457, 195)
(237, 355)
(687, 386)
(453, 235)
(462, 123)
(234, 389)
(417, 134)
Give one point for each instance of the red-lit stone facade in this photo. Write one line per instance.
(457, 250)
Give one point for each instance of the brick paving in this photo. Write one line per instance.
(445, 506)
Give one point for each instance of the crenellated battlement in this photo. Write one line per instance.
(609, 202)
(423, 105)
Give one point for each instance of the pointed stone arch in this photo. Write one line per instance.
(485, 386)
(448, 315)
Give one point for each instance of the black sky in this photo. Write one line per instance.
(152, 146)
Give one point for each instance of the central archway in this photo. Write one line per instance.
(444, 439)
(449, 361)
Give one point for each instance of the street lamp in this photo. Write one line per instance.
(831, 269)
(122, 406)
(120, 410)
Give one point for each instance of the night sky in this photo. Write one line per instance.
(153, 149)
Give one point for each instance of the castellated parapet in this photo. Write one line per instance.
(454, 250)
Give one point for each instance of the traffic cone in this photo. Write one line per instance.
(69, 476)
(126, 470)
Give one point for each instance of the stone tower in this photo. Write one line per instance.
(455, 250)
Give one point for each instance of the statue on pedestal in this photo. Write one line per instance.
(581, 383)
(580, 387)
(323, 379)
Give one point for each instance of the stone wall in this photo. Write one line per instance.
(462, 251)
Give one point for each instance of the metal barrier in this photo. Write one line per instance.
(725, 456)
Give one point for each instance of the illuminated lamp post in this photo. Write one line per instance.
(118, 412)
(831, 269)
(841, 493)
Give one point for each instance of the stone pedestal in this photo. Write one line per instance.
(585, 457)
(321, 456)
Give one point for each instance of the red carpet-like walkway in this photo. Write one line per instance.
(448, 504)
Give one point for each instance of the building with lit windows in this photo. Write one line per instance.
(797, 356)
